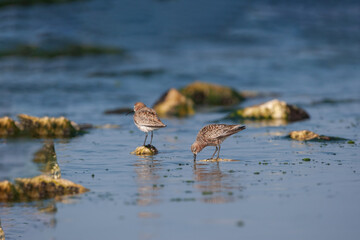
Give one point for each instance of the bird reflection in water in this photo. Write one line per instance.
(215, 185)
(147, 179)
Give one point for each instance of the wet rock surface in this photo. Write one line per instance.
(37, 188)
(173, 103)
(8, 127)
(273, 109)
(211, 94)
(44, 127)
(2, 234)
(48, 126)
(306, 135)
(147, 150)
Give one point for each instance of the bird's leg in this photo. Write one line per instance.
(214, 153)
(145, 138)
(151, 137)
(218, 153)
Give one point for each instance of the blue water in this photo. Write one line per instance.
(301, 52)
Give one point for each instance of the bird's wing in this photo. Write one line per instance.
(148, 117)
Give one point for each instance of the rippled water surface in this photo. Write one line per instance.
(304, 53)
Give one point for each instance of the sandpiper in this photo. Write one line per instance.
(213, 135)
(146, 119)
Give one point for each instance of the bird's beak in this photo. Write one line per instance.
(132, 111)
(194, 157)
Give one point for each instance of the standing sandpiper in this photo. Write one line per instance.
(146, 119)
(213, 135)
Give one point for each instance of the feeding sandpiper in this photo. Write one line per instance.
(213, 135)
(146, 119)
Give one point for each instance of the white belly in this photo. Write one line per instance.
(146, 129)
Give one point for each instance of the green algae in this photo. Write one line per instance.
(207, 193)
(306, 159)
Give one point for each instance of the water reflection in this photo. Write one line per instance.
(36, 214)
(214, 185)
(47, 161)
(147, 170)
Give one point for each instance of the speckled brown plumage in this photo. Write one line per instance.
(213, 135)
(146, 119)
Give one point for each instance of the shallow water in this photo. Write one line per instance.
(303, 53)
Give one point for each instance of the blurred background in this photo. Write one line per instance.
(78, 58)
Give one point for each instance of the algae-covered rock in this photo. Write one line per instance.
(8, 127)
(37, 188)
(211, 94)
(147, 150)
(303, 135)
(47, 160)
(306, 135)
(2, 234)
(43, 187)
(273, 109)
(48, 126)
(173, 103)
(8, 192)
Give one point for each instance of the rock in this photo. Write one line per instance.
(37, 188)
(306, 135)
(173, 103)
(47, 160)
(273, 109)
(48, 126)
(8, 127)
(211, 94)
(147, 150)
(119, 111)
(8, 191)
(2, 234)
(303, 135)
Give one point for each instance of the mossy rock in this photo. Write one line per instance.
(173, 103)
(37, 188)
(306, 135)
(273, 109)
(45, 127)
(8, 192)
(211, 94)
(2, 234)
(8, 127)
(48, 127)
(147, 150)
